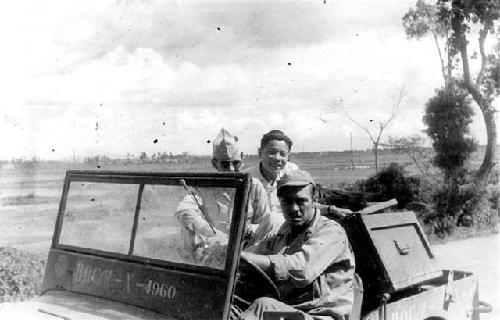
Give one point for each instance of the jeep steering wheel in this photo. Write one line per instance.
(252, 283)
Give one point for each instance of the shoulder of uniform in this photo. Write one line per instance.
(326, 223)
(256, 185)
(256, 181)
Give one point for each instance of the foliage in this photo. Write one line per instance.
(143, 157)
(393, 182)
(491, 84)
(447, 207)
(21, 274)
(479, 211)
(448, 116)
(422, 19)
(458, 203)
(440, 206)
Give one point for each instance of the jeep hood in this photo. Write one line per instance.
(66, 305)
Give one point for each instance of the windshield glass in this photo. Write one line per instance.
(99, 216)
(176, 223)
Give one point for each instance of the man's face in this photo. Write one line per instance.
(274, 156)
(226, 165)
(297, 205)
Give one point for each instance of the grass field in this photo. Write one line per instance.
(29, 197)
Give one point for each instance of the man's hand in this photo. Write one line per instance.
(212, 251)
(332, 211)
(248, 232)
(339, 212)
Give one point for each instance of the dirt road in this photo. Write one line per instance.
(481, 256)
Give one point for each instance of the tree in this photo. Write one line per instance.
(448, 116)
(143, 158)
(414, 148)
(484, 13)
(458, 21)
(375, 138)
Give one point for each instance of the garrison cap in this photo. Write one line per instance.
(226, 146)
(296, 178)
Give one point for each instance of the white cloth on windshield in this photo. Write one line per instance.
(196, 230)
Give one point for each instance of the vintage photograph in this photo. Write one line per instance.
(250, 159)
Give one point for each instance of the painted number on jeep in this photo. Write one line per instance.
(86, 275)
(103, 278)
(160, 289)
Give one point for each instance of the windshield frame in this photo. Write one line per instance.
(239, 181)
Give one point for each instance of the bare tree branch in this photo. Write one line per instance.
(395, 108)
(382, 124)
(365, 129)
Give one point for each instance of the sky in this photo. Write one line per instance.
(81, 78)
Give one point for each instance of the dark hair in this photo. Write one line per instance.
(275, 135)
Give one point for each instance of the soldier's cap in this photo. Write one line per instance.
(296, 178)
(226, 146)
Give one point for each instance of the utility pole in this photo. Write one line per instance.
(352, 156)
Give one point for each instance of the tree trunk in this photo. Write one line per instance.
(482, 176)
(375, 151)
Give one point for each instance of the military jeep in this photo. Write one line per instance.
(116, 253)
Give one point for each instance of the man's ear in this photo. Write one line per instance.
(259, 151)
(315, 194)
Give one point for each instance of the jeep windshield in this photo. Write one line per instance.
(118, 237)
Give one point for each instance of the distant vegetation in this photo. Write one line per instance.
(356, 159)
(440, 209)
(407, 173)
(21, 274)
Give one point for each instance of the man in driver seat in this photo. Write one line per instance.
(309, 259)
(200, 241)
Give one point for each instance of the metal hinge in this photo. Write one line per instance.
(450, 294)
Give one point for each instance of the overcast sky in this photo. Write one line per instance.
(111, 77)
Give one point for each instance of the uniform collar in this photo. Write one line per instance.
(271, 182)
(285, 230)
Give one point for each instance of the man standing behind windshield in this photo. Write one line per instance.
(274, 153)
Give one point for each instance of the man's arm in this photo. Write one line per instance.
(261, 261)
(328, 245)
(190, 216)
(332, 211)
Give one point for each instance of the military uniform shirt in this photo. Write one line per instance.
(271, 186)
(314, 271)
